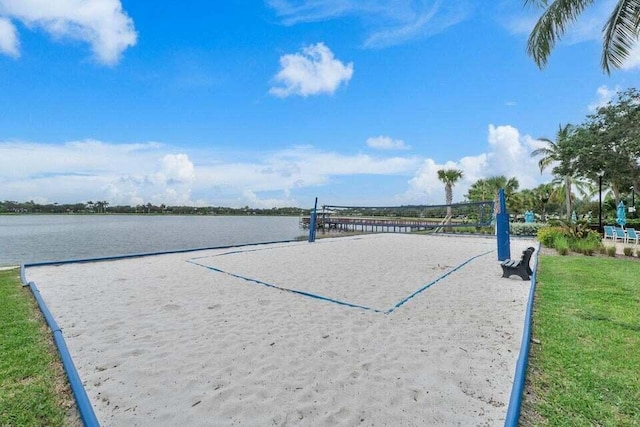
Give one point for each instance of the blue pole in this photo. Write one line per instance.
(312, 222)
(502, 229)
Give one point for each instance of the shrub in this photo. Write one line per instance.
(526, 228)
(585, 246)
(628, 251)
(603, 250)
(547, 235)
(611, 250)
(561, 244)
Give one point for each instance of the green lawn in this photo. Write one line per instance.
(584, 366)
(33, 388)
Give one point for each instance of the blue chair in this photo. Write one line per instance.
(620, 234)
(608, 233)
(632, 235)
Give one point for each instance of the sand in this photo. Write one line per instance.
(201, 338)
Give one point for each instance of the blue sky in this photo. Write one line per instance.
(272, 103)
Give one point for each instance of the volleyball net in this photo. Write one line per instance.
(407, 218)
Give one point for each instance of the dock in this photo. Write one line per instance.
(373, 225)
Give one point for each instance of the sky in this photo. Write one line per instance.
(271, 103)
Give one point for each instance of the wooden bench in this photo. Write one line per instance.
(518, 266)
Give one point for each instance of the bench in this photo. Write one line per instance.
(518, 266)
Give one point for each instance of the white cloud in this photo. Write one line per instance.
(386, 143)
(9, 44)
(150, 172)
(633, 60)
(508, 154)
(312, 72)
(387, 22)
(605, 95)
(101, 23)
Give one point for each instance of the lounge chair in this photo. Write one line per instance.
(632, 234)
(619, 234)
(608, 233)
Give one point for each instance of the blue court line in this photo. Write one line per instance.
(515, 400)
(320, 297)
(145, 254)
(83, 403)
(428, 285)
(295, 291)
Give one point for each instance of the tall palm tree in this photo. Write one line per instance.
(558, 152)
(620, 32)
(449, 177)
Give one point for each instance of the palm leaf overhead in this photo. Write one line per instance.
(620, 32)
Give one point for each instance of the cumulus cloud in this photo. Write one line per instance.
(386, 143)
(9, 44)
(508, 153)
(387, 22)
(101, 23)
(141, 173)
(313, 71)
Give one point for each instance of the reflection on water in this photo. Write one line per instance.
(31, 238)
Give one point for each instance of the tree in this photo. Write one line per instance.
(560, 153)
(609, 141)
(488, 188)
(449, 177)
(542, 195)
(620, 32)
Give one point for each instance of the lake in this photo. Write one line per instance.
(33, 238)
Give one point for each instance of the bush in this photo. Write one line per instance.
(525, 228)
(611, 250)
(561, 244)
(603, 250)
(547, 235)
(628, 251)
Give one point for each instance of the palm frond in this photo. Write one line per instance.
(620, 33)
(551, 26)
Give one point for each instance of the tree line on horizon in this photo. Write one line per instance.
(103, 207)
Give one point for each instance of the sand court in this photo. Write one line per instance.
(166, 340)
(376, 276)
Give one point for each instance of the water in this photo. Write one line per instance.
(33, 238)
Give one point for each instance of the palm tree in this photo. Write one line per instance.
(559, 152)
(543, 194)
(620, 32)
(449, 177)
(495, 183)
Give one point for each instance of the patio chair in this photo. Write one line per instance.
(632, 234)
(608, 233)
(620, 234)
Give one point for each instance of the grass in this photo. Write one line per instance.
(585, 357)
(33, 387)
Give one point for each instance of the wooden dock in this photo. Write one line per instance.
(373, 225)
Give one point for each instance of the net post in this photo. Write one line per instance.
(502, 229)
(312, 222)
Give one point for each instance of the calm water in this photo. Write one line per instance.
(31, 238)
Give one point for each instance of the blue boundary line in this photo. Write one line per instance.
(433, 282)
(83, 403)
(320, 297)
(515, 401)
(144, 254)
(295, 291)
